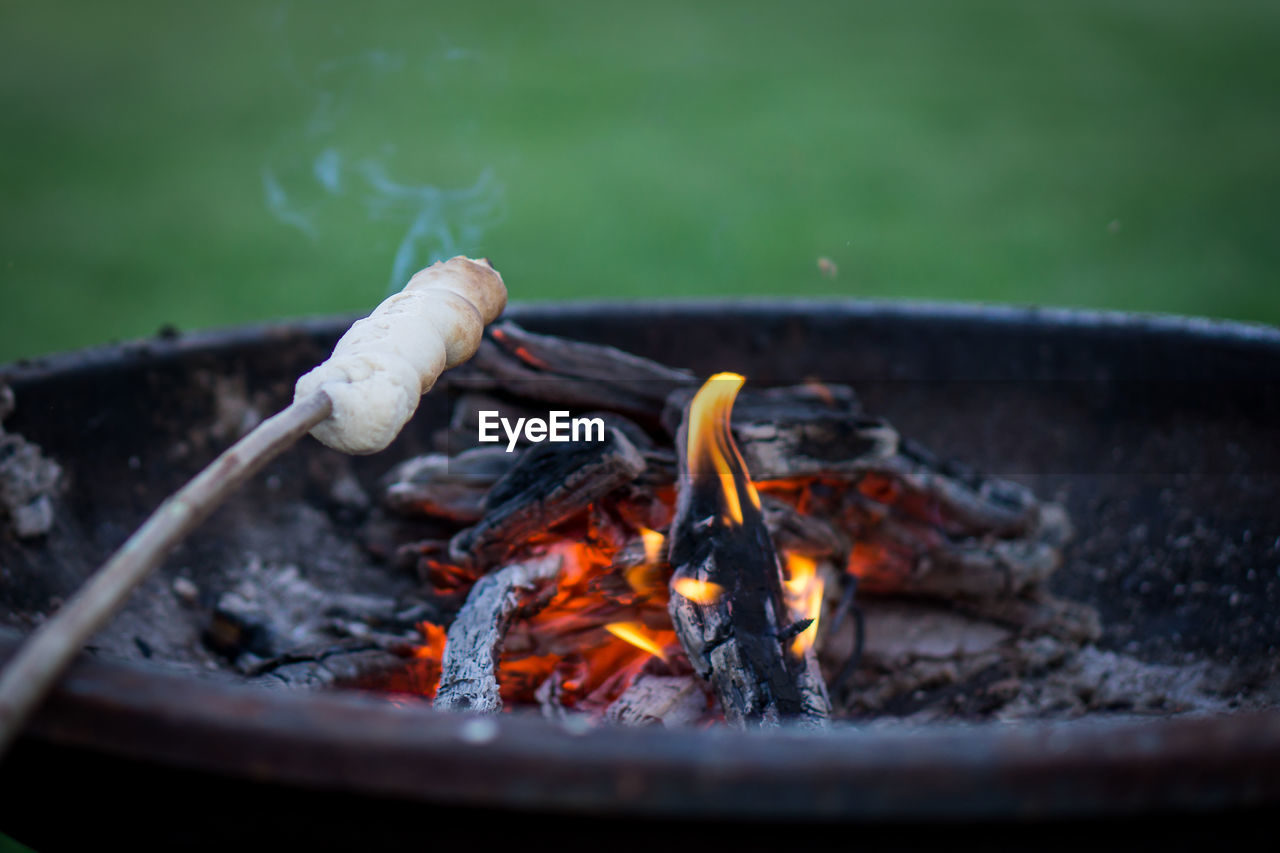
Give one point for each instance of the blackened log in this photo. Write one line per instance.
(570, 373)
(469, 670)
(549, 484)
(738, 640)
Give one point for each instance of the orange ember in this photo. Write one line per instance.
(606, 620)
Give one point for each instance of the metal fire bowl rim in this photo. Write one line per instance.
(370, 746)
(1205, 329)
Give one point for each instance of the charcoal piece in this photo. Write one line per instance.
(469, 670)
(332, 666)
(797, 533)
(549, 484)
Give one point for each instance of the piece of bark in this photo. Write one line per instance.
(549, 484)
(570, 373)
(738, 640)
(671, 701)
(469, 670)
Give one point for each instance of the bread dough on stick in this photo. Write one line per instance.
(387, 361)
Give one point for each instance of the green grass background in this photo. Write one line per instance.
(213, 164)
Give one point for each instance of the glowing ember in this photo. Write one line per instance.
(699, 592)
(606, 619)
(711, 445)
(804, 590)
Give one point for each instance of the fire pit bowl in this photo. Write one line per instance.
(1157, 434)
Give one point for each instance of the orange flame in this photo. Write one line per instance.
(699, 592)
(646, 578)
(653, 542)
(804, 590)
(712, 452)
(637, 635)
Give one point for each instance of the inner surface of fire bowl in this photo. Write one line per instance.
(884, 552)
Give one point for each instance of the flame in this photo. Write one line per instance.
(699, 592)
(646, 578)
(637, 635)
(804, 589)
(711, 451)
(653, 542)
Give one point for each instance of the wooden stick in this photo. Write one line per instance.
(40, 661)
(357, 401)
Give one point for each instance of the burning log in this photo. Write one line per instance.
(550, 483)
(469, 671)
(727, 601)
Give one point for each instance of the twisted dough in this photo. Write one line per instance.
(387, 361)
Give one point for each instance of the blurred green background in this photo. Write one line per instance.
(212, 164)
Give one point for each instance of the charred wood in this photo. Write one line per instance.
(550, 483)
(800, 431)
(469, 670)
(451, 488)
(671, 701)
(572, 373)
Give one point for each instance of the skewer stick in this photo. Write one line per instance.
(357, 402)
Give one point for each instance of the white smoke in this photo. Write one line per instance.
(318, 175)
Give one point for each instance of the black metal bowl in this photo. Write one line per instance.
(1158, 433)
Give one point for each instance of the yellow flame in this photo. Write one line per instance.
(710, 441)
(804, 589)
(637, 635)
(653, 541)
(699, 592)
(646, 578)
